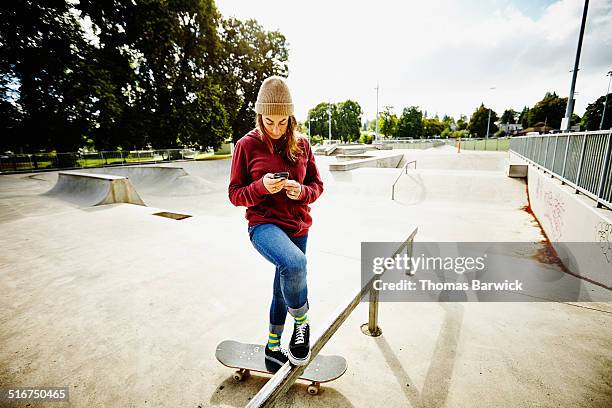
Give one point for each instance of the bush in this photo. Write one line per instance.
(459, 133)
(316, 140)
(365, 138)
(446, 133)
(500, 133)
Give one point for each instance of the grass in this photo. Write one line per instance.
(100, 162)
(212, 156)
(84, 163)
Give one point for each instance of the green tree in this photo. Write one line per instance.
(43, 54)
(148, 77)
(550, 110)
(110, 74)
(592, 115)
(349, 120)
(177, 52)
(432, 127)
(462, 122)
(372, 124)
(509, 116)
(389, 122)
(479, 120)
(410, 123)
(249, 55)
(319, 119)
(523, 118)
(449, 122)
(165, 73)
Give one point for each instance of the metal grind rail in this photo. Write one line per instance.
(399, 176)
(287, 374)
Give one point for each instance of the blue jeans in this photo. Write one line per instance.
(288, 254)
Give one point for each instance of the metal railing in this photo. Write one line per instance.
(77, 160)
(412, 143)
(580, 160)
(490, 144)
(287, 374)
(400, 175)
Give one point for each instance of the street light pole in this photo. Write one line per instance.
(376, 134)
(489, 120)
(329, 121)
(565, 123)
(603, 115)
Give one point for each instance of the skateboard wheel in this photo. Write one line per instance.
(313, 389)
(240, 374)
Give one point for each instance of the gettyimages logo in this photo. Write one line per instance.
(412, 265)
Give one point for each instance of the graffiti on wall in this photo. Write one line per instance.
(554, 209)
(604, 237)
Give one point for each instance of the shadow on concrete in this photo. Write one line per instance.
(401, 376)
(417, 192)
(438, 378)
(238, 394)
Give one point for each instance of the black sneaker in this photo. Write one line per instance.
(275, 359)
(299, 347)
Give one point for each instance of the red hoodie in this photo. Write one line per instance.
(251, 161)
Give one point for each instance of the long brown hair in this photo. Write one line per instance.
(291, 148)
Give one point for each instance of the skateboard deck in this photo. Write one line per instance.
(251, 357)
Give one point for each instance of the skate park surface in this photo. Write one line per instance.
(126, 308)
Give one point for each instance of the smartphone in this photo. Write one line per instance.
(281, 175)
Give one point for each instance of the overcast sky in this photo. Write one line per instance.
(441, 55)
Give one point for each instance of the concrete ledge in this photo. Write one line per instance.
(325, 150)
(89, 189)
(516, 170)
(345, 157)
(382, 146)
(387, 161)
(350, 149)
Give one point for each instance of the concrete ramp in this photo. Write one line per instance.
(88, 189)
(162, 180)
(460, 189)
(350, 162)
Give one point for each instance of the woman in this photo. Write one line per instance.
(277, 210)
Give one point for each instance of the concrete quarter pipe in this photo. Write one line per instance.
(87, 189)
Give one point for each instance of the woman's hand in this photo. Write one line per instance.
(273, 185)
(293, 189)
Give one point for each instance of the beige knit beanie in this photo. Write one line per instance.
(274, 97)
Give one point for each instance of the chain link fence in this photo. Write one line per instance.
(490, 144)
(55, 161)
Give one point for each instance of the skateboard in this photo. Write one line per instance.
(251, 357)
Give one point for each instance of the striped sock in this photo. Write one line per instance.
(301, 319)
(273, 341)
